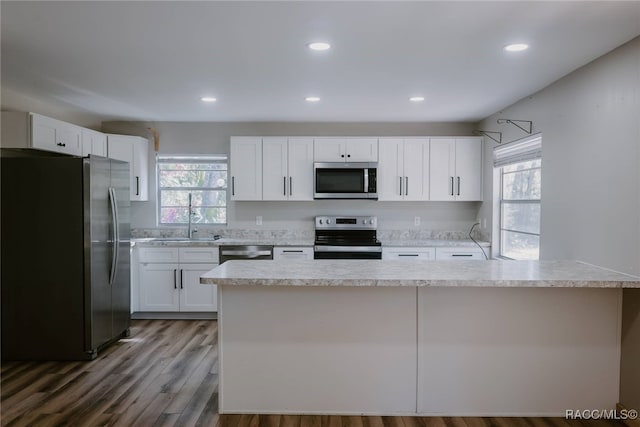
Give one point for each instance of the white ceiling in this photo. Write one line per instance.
(153, 60)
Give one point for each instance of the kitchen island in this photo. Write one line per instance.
(432, 337)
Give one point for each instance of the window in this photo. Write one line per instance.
(520, 167)
(205, 178)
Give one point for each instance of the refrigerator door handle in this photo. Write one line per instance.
(115, 235)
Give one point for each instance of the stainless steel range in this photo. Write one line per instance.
(347, 237)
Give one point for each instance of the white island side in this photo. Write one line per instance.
(388, 338)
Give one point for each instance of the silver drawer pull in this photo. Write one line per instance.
(461, 254)
(292, 251)
(408, 255)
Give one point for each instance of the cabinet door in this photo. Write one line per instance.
(195, 296)
(361, 149)
(329, 150)
(140, 169)
(292, 252)
(416, 169)
(469, 169)
(246, 168)
(458, 254)
(159, 287)
(300, 164)
(442, 169)
(93, 143)
(409, 254)
(275, 175)
(54, 135)
(391, 169)
(132, 149)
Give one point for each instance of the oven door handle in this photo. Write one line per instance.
(323, 248)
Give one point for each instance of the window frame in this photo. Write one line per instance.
(192, 159)
(502, 202)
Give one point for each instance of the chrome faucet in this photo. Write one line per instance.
(190, 230)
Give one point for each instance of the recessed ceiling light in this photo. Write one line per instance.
(312, 99)
(416, 99)
(319, 46)
(516, 47)
(208, 99)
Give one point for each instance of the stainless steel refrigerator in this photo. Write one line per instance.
(65, 254)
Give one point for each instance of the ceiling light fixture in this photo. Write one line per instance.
(208, 99)
(516, 47)
(319, 46)
(416, 99)
(312, 99)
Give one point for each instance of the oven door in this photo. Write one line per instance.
(345, 180)
(347, 252)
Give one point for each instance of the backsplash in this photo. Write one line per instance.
(303, 234)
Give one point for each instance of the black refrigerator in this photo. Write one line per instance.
(65, 263)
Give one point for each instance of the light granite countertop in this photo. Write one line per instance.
(183, 241)
(430, 243)
(493, 273)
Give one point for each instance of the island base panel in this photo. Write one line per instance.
(517, 351)
(329, 350)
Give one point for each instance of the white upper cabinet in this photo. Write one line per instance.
(345, 150)
(55, 135)
(93, 143)
(246, 168)
(403, 169)
(132, 149)
(287, 168)
(30, 130)
(456, 169)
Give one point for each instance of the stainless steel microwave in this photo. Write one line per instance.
(350, 180)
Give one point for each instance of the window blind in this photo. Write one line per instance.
(522, 150)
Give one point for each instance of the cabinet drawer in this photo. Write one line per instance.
(408, 254)
(158, 255)
(456, 254)
(199, 254)
(292, 252)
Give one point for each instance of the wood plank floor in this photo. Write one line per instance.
(166, 374)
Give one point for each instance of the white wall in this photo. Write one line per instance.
(14, 101)
(590, 124)
(213, 138)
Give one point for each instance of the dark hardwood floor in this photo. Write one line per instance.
(166, 374)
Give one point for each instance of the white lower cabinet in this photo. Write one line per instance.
(408, 253)
(292, 252)
(169, 279)
(459, 253)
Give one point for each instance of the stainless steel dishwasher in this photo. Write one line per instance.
(247, 252)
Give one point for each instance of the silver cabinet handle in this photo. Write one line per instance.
(284, 185)
(175, 280)
(400, 185)
(406, 185)
(290, 186)
(408, 255)
(181, 279)
(292, 251)
(137, 185)
(464, 255)
(458, 186)
(452, 186)
(233, 185)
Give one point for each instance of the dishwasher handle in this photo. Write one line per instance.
(245, 253)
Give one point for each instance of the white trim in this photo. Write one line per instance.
(521, 150)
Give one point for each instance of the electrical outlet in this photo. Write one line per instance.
(258, 220)
(416, 221)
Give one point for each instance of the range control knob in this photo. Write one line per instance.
(320, 221)
(370, 221)
(364, 221)
(328, 221)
